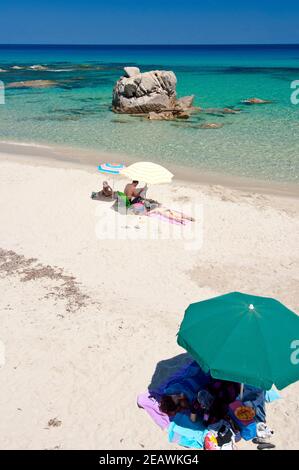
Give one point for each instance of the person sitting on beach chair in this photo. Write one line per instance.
(133, 194)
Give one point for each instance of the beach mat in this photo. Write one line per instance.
(189, 379)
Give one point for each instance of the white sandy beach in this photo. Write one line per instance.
(85, 324)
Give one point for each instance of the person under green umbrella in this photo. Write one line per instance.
(243, 338)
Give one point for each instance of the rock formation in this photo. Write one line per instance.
(150, 93)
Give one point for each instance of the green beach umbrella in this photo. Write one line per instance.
(243, 338)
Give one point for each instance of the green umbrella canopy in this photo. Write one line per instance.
(243, 338)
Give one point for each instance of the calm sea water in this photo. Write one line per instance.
(262, 141)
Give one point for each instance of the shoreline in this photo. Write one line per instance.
(88, 159)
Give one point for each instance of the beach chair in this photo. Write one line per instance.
(123, 202)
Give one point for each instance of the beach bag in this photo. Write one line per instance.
(225, 436)
(223, 439)
(246, 424)
(150, 204)
(210, 442)
(248, 432)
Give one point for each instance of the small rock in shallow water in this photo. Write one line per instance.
(164, 116)
(221, 111)
(211, 125)
(182, 115)
(256, 101)
(230, 111)
(121, 121)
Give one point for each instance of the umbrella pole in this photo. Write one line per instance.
(242, 392)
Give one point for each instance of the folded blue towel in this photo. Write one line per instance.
(186, 433)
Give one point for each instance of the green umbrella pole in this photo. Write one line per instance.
(242, 392)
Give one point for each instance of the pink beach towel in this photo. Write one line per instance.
(151, 406)
(166, 218)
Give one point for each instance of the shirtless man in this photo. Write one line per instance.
(132, 193)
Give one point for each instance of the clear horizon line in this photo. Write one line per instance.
(150, 45)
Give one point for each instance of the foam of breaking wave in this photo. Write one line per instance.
(24, 144)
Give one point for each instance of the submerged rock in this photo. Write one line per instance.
(211, 125)
(231, 111)
(121, 121)
(256, 101)
(58, 118)
(32, 84)
(164, 116)
(182, 115)
(220, 111)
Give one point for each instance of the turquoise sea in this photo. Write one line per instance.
(262, 141)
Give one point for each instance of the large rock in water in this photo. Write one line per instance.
(142, 93)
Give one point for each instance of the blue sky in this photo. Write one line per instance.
(149, 22)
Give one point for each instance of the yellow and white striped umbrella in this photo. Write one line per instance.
(147, 172)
